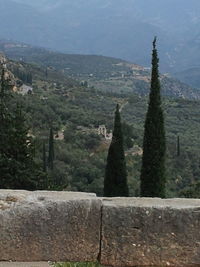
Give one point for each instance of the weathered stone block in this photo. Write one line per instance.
(144, 232)
(43, 226)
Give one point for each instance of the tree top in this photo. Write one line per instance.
(154, 42)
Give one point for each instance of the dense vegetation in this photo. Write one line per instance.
(17, 167)
(74, 111)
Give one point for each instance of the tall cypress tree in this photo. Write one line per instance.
(153, 161)
(115, 182)
(51, 150)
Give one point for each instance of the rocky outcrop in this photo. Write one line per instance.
(67, 226)
(8, 76)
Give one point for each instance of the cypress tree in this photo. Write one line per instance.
(29, 78)
(153, 161)
(178, 146)
(17, 167)
(24, 169)
(16, 157)
(44, 157)
(51, 150)
(115, 182)
(5, 131)
(4, 115)
(46, 73)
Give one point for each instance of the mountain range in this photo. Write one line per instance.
(117, 28)
(108, 74)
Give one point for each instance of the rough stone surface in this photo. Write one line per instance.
(25, 264)
(49, 226)
(144, 232)
(68, 226)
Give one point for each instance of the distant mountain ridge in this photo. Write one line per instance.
(117, 28)
(105, 73)
(190, 76)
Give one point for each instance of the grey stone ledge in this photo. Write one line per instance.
(73, 226)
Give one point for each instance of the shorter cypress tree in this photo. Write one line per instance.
(178, 146)
(44, 157)
(51, 150)
(115, 182)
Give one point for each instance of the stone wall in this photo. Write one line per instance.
(68, 226)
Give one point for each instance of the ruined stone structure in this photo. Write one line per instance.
(103, 131)
(68, 226)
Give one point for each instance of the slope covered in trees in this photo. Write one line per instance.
(75, 113)
(108, 74)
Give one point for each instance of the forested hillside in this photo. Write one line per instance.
(108, 74)
(75, 110)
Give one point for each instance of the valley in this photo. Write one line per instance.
(64, 101)
(99, 133)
